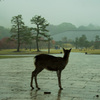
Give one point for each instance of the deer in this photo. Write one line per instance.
(51, 63)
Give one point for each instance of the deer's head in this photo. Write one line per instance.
(66, 52)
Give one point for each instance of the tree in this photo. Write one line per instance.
(28, 36)
(97, 42)
(40, 28)
(49, 40)
(17, 29)
(5, 43)
(76, 42)
(82, 41)
(87, 44)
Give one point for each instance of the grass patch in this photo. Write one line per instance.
(22, 51)
(4, 57)
(88, 51)
(96, 51)
(8, 52)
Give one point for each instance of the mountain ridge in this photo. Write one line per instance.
(62, 29)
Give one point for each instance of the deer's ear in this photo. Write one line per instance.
(70, 49)
(63, 49)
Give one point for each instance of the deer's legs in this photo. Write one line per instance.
(59, 79)
(31, 84)
(34, 74)
(36, 82)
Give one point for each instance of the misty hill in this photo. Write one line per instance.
(71, 31)
(55, 29)
(61, 28)
(64, 30)
(89, 27)
(4, 32)
(90, 34)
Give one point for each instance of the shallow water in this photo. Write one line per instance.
(80, 79)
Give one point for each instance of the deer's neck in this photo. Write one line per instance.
(65, 57)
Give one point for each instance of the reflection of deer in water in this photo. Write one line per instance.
(52, 63)
(59, 95)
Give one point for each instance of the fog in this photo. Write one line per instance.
(77, 12)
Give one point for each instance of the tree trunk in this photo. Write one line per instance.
(18, 45)
(48, 46)
(37, 45)
(18, 39)
(30, 47)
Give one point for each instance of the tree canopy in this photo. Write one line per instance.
(17, 29)
(40, 28)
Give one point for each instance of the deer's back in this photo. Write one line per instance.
(50, 62)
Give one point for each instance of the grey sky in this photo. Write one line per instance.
(77, 12)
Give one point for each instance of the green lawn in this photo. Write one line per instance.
(22, 51)
(9, 52)
(3, 57)
(89, 51)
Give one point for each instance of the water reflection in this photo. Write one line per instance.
(33, 94)
(59, 95)
(15, 76)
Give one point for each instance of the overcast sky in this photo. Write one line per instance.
(77, 12)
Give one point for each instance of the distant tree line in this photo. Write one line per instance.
(79, 43)
(82, 42)
(7, 43)
(37, 36)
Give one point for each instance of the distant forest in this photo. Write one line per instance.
(63, 36)
(54, 29)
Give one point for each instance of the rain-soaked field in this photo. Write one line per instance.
(80, 79)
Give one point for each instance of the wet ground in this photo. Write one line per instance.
(80, 79)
